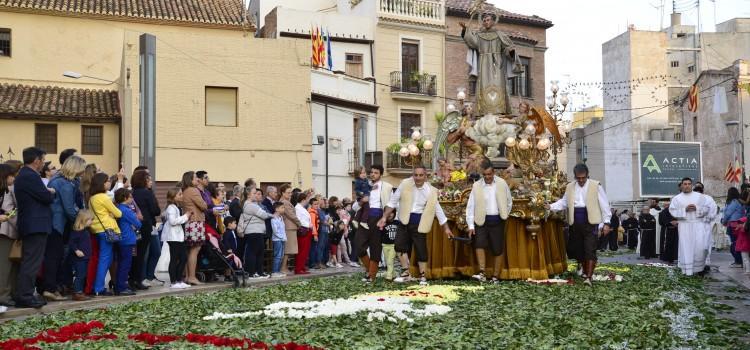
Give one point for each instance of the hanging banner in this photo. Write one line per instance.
(664, 164)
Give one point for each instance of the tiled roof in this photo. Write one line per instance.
(514, 34)
(52, 102)
(461, 8)
(224, 13)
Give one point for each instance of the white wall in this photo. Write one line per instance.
(341, 127)
(307, 5)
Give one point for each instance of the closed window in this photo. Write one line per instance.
(45, 137)
(4, 42)
(524, 78)
(354, 64)
(221, 106)
(92, 139)
(409, 120)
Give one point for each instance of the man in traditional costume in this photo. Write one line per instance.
(669, 237)
(368, 238)
(488, 207)
(647, 223)
(587, 207)
(418, 206)
(655, 209)
(689, 208)
(496, 51)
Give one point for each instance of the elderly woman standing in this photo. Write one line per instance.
(291, 223)
(64, 212)
(195, 230)
(8, 233)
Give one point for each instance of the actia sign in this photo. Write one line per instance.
(663, 164)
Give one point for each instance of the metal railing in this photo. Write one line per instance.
(395, 161)
(425, 10)
(353, 160)
(411, 82)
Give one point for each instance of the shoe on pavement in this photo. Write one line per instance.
(146, 283)
(126, 292)
(495, 280)
(353, 264)
(402, 279)
(53, 296)
(480, 277)
(338, 266)
(104, 293)
(735, 265)
(3, 309)
(423, 281)
(277, 275)
(80, 297)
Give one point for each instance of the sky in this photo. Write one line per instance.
(582, 26)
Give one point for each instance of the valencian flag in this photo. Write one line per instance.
(734, 172)
(693, 98)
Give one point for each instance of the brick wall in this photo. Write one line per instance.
(456, 68)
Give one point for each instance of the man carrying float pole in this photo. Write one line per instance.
(418, 206)
(488, 207)
(588, 207)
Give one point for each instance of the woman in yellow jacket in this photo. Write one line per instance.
(105, 217)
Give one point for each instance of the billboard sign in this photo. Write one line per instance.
(663, 164)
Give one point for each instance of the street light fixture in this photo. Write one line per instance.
(75, 75)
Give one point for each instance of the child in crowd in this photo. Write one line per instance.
(278, 239)
(361, 185)
(79, 246)
(174, 234)
(342, 253)
(388, 240)
(336, 236)
(128, 224)
(229, 244)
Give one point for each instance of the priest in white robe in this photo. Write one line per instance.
(712, 211)
(690, 208)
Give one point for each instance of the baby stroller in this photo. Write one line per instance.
(212, 262)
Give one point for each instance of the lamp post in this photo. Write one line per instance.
(557, 108)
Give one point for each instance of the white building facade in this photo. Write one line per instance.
(343, 107)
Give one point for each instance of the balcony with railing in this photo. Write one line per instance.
(413, 86)
(342, 87)
(431, 12)
(398, 165)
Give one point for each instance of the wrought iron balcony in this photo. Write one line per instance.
(399, 165)
(421, 11)
(414, 83)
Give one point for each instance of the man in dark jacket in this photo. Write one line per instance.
(34, 224)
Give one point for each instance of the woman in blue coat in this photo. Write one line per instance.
(128, 224)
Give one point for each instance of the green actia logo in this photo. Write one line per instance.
(651, 164)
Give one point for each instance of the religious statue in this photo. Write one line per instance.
(496, 51)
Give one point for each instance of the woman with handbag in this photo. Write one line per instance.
(291, 223)
(64, 212)
(254, 229)
(8, 236)
(104, 227)
(195, 230)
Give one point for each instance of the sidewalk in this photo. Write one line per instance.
(156, 292)
(719, 264)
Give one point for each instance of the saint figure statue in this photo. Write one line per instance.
(496, 51)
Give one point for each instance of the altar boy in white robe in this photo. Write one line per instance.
(690, 209)
(488, 207)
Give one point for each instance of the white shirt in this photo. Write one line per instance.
(421, 194)
(580, 201)
(489, 192)
(375, 195)
(303, 215)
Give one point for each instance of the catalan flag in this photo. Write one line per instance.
(693, 98)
